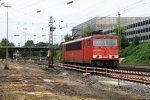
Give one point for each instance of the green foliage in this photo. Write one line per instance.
(87, 31)
(5, 42)
(67, 37)
(137, 55)
(42, 44)
(124, 42)
(29, 43)
(2, 54)
(58, 55)
(122, 30)
(135, 41)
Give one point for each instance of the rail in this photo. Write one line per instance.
(140, 77)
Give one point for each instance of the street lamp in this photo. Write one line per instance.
(7, 33)
(69, 2)
(13, 36)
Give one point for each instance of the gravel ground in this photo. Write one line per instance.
(33, 82)
(100, 81)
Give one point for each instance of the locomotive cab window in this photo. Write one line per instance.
(105, 42)
(88, 42)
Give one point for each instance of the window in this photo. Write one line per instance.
(134, 25)
(134, 32)
(131, 32)
(88, 42)
(138, 23)
(105, 42)
(146, 21)
(141, 30)
(143, 22)
(138, 31)
(146, 37)
(129, 26)
(74, 46)
(146, 29)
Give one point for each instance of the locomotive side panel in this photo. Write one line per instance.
(87, 51)
(73, 52)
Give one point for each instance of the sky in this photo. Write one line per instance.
(23, 19)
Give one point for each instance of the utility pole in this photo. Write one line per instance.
(51, 51)
(119, 32)
(7, 34)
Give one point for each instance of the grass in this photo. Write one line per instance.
(137, 55)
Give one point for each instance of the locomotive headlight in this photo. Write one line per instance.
(113, 56)
(97, 56)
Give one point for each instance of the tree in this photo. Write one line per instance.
(122, 30)
(29, 43)
(135, 41)
(5, 42)
(87, 31)
(42, 44)
(67, 37)
(124, 42)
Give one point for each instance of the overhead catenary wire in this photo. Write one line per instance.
(84, 14)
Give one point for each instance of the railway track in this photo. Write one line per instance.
(142, 67)
(134, 76)
(127, 74)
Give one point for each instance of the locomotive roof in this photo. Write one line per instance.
(95, 36)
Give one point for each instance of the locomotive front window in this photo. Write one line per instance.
(105, 42)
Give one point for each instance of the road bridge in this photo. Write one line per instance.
(11, 49)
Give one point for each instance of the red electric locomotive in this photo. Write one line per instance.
(98, 50)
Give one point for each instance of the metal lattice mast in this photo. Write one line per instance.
(51, 31)
(50, 54)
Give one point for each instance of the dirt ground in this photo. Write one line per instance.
(33, 82)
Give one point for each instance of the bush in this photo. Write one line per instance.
(58, 56)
